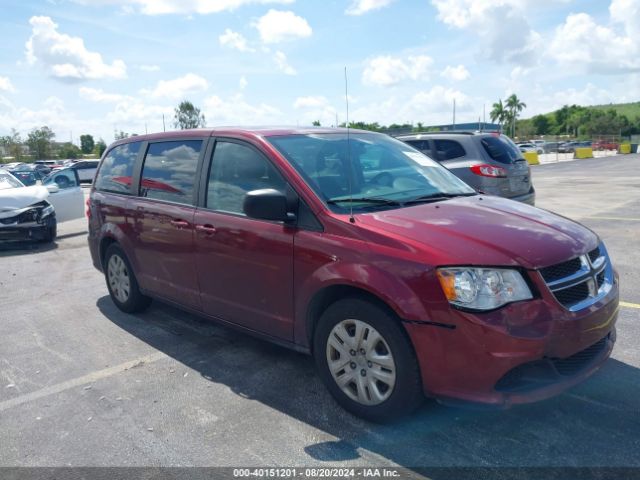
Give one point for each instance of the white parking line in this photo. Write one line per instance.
(76, 382)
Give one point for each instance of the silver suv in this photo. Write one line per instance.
(489, 162)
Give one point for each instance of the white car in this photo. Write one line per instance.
(33, 213)
(86, 169)
(530, 147)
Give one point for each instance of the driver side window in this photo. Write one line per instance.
(63, 179)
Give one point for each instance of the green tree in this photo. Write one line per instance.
(13, 144)
(316, 123)
(69, 150)
(186, 116)
(120, 135)
(541, 124)
(87, 143)
(39, 141)
(498, 113)
(514, 106)
(99, 148)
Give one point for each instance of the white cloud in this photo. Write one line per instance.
(234, 40)
(237, 111)
(387, 70)
(360, 7)
(310, 102)
(51, 112)
(582, 44)
(243, 82)
(283, 64)
(457, 74)
(149, 68)
(100, 96)
(6, 85)
(277, 26)
(179, 87)
(163, 7)
(432, 106)
(501, 24)
(66, 57)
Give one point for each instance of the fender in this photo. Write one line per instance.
(384, 285)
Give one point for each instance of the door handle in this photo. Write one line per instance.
(180, 223)
(206, 229)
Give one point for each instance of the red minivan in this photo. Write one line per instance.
(400, 279)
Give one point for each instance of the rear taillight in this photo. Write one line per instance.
(88, 204)
(489, 171)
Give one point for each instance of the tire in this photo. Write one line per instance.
(51, 232)
(121, 282)
(385, 383)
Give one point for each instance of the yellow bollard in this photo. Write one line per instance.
(531, 158)
(625, 148)
(586, 152)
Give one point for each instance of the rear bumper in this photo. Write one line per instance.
(529, 198)
(524, 352)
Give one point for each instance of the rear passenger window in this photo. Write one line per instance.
(449, 149)
(422, 145)
(169, 171)
(501, 149)
(236, 170)
(117, 168)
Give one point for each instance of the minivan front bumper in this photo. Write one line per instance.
(524, 352)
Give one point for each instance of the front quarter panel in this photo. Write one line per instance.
(325, 260)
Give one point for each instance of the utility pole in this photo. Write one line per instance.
(164, 129)
(454, 113)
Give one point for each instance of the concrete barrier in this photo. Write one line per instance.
(585, 152)
(625, 148)
(531, 158)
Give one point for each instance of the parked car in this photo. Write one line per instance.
(489, 162)
(551, 147)
(538, 143)
(86, 169)
(567, 147)
(530, 147)
(397, 277)
(29, 173)
(33, 212)
(65, 194)
(605, 145)
(9, 166)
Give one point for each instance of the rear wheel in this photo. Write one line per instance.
(366, 361)
(122, 283)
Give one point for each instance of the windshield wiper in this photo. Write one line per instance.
(437, 197)
(373, 200)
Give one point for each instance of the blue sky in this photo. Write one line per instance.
(94, 66)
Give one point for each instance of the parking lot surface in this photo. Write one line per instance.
(83, 384)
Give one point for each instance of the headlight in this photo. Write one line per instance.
(482, 288)
(46, 211)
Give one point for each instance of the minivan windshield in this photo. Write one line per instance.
(367, 170)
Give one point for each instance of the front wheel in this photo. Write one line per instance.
(122, 283)
(366, 361)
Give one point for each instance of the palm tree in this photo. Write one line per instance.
(499, 113)
(514, 106)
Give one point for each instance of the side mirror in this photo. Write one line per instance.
(53, 188)
(267, 204)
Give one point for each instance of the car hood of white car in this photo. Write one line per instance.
(12, 199)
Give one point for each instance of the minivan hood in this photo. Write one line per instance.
(483, 230)
(15, 198)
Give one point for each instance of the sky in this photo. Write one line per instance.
(99, 66)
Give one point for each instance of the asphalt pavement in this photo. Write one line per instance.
(83, 384)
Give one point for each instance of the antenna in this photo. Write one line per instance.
(346, 99)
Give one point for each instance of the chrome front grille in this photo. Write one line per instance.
(581, 281)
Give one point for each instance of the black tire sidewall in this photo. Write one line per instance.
(136, 301)
(407, 392)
